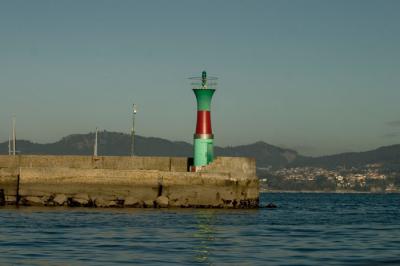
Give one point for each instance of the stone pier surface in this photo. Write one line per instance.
(111, 181)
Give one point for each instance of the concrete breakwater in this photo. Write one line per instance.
(111, 181)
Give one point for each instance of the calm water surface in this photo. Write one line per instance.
(305, 229)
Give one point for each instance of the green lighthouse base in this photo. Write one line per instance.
(203, 151)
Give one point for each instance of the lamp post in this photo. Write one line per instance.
(13, 136)
(134, 110)
(95, 143)
(9, 144)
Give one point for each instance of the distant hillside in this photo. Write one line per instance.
(114, 143)
(383, 155)
(109, 143)
(266, 155)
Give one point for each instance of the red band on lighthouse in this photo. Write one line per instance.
(203, 122)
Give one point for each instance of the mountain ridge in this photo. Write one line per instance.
(266, 155)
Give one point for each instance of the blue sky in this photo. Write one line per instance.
(317, 76)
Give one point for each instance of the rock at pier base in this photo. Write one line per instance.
(271, 206)
(79, 200)
(32, 201)
(149, 204)
(103, 203)
(162, 202)
(132, 202)
(60, 200)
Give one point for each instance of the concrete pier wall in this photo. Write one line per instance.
(178, 164)
(127, 182)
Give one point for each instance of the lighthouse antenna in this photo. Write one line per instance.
(204, 80)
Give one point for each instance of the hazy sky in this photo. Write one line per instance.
(317, 76)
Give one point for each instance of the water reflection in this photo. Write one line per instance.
(204, 236)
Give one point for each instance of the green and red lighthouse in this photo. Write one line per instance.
(204, 89)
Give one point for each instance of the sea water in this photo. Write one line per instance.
(305, 229)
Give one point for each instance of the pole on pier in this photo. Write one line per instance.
(95, 143)
(9, 144)
(13, 136)
(133, 130)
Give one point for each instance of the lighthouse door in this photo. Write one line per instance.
(210, 153)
